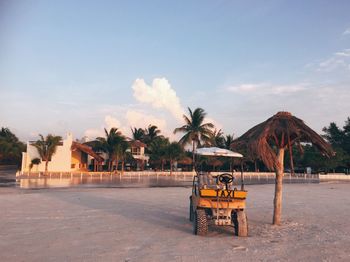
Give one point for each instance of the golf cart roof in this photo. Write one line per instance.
(216, 151)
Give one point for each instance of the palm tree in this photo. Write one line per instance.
(151, 133)
(47, 147)
(138, 134)
(112, 144)
(195, 130)
(228, 139)
(157, 150)
(35, 161)
(269, 140)
(173, 152)
(217, 139)
(120, 150)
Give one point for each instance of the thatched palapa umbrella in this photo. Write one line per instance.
(268, 141)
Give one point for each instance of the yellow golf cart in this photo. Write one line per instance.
(216, 200)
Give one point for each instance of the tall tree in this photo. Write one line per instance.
(217, 139)
(334, 135)
(228, 139)
(151, 133)
(47, 147)
(10, 147)
(120, 146)
(195, 130)
(138, 134)
(107, 144)
(269, 140)
(157, 150)
(340, 140)
(173, 152)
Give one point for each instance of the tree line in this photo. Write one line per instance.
(195, 133)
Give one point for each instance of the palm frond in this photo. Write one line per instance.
(263, 139)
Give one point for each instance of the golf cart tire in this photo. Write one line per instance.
(191, 215)
(240, 223)
(200, 223)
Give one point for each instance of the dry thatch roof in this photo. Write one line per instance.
(279, 131)
(88, 150)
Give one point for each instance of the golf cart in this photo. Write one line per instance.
(215, 199)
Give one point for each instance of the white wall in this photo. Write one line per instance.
(60, 162)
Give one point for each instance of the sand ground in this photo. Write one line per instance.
(151, 224)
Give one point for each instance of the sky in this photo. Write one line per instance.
(81, 66)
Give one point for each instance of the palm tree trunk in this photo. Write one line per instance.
(193, 159)
(123, 166)
(171, 167)
(290, 156)
(46, 166)
(277, 202)
(291, 160)
(162, 165)
(116, 163)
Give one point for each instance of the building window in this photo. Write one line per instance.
(136, 151)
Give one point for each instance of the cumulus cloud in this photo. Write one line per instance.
(132, 118)
(267, 89)
(112, 122)
(159, 95)
(155, 101)
(135, 118)
(92, 133)
(109, 122)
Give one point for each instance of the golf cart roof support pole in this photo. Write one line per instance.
(242, 176)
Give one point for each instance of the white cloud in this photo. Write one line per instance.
(345, 53)
(266, 89)
(347, 31)
(92, 133)
(141, 119)
(159, 95)
(109, 122)
(339, 60)
(217, 124)
(132, 118)
(316, 103)
(158, 104)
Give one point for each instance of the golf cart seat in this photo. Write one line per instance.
(206, 180)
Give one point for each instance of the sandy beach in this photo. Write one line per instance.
(151, 224)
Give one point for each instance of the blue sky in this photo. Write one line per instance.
(80, 66)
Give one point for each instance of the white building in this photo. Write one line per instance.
(69, 156)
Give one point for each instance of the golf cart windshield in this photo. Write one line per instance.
(221, 152)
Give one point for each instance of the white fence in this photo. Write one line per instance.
(145, 178)
(335, 176)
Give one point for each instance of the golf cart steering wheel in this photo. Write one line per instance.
(225, 178)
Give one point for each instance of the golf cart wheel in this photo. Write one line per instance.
(240, 222)
(200, 223)
(191, 210)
